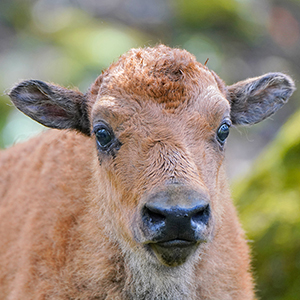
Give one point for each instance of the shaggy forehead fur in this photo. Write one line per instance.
(162, 74)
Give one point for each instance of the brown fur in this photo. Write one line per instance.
(69, 213)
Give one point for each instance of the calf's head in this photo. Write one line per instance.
(160, 121)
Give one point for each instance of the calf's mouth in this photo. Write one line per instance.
(174, 252)
(175, 221)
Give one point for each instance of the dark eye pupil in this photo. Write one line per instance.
(104, 137)
(223, 132)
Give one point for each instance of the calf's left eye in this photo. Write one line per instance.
(223, 133)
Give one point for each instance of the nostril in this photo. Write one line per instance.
(152, 216)
(202, 214)
(155, 217)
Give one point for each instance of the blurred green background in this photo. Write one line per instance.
(69, 42)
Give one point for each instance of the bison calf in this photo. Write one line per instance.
(130, 200)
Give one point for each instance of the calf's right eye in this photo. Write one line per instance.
(104, 137)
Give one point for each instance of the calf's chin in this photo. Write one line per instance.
(152, 279)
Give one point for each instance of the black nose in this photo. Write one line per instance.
(176, 214)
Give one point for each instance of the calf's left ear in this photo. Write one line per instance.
(255, 99)
(52, 105)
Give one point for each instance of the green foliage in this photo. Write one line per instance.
(210, 13)
(269, 205)
(225, 16)
(5, 109)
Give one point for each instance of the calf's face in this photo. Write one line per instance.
(160, 122)
(163, 156)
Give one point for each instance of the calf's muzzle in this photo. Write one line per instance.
(175, 221)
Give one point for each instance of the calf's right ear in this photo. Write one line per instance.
(52, 105)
